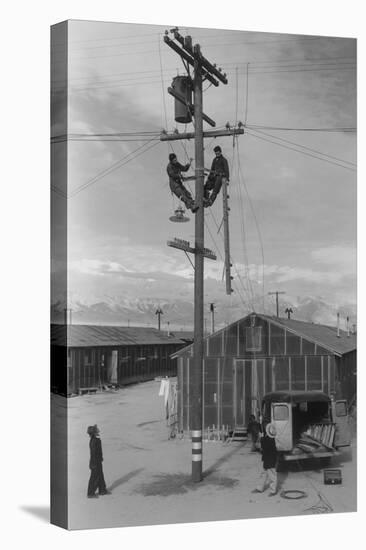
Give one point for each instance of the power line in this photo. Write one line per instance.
(300, 62)
(133, 81)
(208, 45)
(213, 44)
(97, 140)
(243, 233)
(283, 128)
(114, 167)
(307, 148)
(255, 221)
(302, 152)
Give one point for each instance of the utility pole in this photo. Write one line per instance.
(276, 293)
(288, 310)
(228, 265)
(212, 309)
(159, 312)
(203, 70)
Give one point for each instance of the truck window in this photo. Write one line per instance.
(280, 412)
(340, 408)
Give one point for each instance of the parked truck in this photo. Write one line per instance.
(309, 424)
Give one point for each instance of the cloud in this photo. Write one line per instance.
(342, 257)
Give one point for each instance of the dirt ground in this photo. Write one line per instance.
(149, 475)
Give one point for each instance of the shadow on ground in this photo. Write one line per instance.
(124, 479)
(40, 512)
(222, 460)
(179, 484)
(147, 423)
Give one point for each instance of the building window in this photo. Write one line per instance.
(253, 338)
(280, 412)
(88, 357)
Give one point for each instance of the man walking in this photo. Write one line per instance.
(175, 170)
(96, 480)
(269, 458)
(219, 170)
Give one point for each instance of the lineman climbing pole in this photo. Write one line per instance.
(203, 70)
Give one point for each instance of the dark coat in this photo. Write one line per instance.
(174, 171)
(96, 454)
(220, 167)
(254, 427)
(269, 452)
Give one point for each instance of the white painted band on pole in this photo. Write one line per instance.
(196, 458)
(196, 433)
(196, 445)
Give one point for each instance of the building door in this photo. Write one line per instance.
(112, 359)
(242, 391)
(342, 436)
(281, 417)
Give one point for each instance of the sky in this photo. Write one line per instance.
(292, 187)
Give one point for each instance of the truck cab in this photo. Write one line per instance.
(309, 424)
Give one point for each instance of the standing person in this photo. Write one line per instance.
(219, 170)
(269, 458)
(175, 170)
(96, 480)
(254, 429)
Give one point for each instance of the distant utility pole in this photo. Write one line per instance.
(159, 312)
(203, 70)
(288, 310)
(212, 309)
(276, 293)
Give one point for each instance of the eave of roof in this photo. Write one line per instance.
(75, 336)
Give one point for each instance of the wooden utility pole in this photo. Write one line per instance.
(203, 70)
(158, 312)
(276, 293)
(228, 277)
(212, 309)
(288, 310)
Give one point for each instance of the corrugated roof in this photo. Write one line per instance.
(323, 335)
(184, 334)
(96, 335)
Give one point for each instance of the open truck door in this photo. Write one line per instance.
(281, 417)
(340, 418)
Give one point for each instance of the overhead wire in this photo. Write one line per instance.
(151, 80)
(246, 95)
(307, 148)
(256, 224)
(121, 162)
(243, 233)
(169, 145)
(301, 151)
(207, 45)
(333, 61)
(302, 129)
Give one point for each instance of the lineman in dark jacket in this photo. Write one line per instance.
(175, 170)
(269, 458)
(96, 480)
(219, 169)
